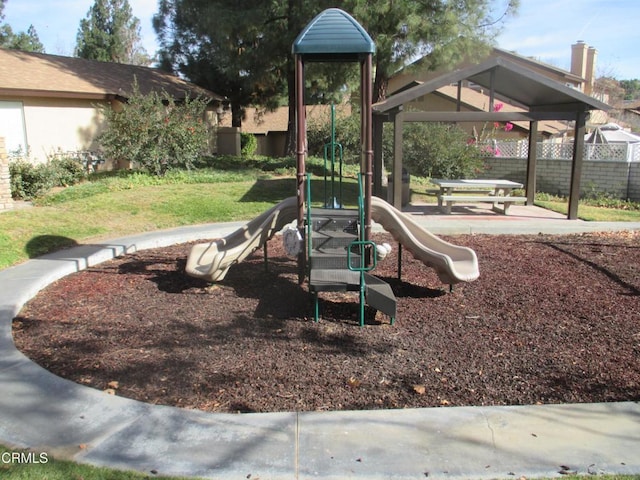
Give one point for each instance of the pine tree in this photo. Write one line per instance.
(28, 42)
(110, 33)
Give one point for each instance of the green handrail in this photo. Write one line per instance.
(333, 145)
(309, 226)
(362, 245)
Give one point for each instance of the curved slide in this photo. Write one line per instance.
(211, 261)
(453, 263)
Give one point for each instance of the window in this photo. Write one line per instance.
(12, 127)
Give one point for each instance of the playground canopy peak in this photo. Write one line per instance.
(333, 36)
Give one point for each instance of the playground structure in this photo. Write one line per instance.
(333, 244)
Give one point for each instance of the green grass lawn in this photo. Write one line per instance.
(129, 203)
(118, 206)
(27, 465)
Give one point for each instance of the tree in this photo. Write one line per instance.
(631, 89)
(238, 48)
(110, 33)
(441, 33)
(242, 48)
(28, 42)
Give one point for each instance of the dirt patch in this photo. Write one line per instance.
(552, 319)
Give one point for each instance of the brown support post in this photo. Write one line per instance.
(301, 147)
(378, 166)
(532, 158)
(398, 121)
(576, 165)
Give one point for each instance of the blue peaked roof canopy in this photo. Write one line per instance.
(333, 35)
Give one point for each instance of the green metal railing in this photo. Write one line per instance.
(364, 248)
(309, 226)
(330, 151)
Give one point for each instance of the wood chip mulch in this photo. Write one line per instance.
(552, 319)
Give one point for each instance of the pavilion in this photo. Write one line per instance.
(539, 97)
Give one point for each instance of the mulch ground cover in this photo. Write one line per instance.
(552, 319)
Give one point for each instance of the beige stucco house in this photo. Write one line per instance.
(50, 103)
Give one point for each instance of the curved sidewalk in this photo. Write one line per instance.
(41, 411)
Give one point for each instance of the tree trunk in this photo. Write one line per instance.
(290, 141)
(237, 112)
(380, 84)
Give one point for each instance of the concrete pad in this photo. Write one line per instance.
(471, 442)
(172, 441)
(42, 411)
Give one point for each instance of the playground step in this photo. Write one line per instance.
(378, 293)
(380, 296)
(334, 212)
(331, 239)
(332, 258)
(327, 220)
(333, 280)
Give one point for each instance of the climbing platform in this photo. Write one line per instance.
(337, 261)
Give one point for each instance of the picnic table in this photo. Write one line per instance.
(477, 191)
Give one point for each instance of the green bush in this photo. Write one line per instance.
(29, 181)
(156, 133)
(440, 150)
(248, 144)
(347, 134)
(67, 171)
(428, 149)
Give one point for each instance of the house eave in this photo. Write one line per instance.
(27, 93)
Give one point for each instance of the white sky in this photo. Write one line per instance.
(543, 29)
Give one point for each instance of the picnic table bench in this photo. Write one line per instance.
(477, 191)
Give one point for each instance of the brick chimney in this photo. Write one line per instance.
(592, 55)
(583, 64)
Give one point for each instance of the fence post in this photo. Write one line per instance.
(6, 202)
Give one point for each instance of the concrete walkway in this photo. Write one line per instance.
(41, 411)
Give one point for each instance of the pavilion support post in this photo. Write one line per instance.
(576, 165)
(378, 161)
(532, 159)
(398, 123)
(301, 148)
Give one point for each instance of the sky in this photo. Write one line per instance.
(546, 29)
(543, 29)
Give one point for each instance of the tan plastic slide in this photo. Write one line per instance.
(211, 261)
(452, 263)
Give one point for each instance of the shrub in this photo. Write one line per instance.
(29, 181)
(440, 150)
(67, 170)
(248, 144)
(347, 134)
(156, 133)
(429, 149)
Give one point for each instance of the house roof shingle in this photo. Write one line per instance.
(38, 74)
